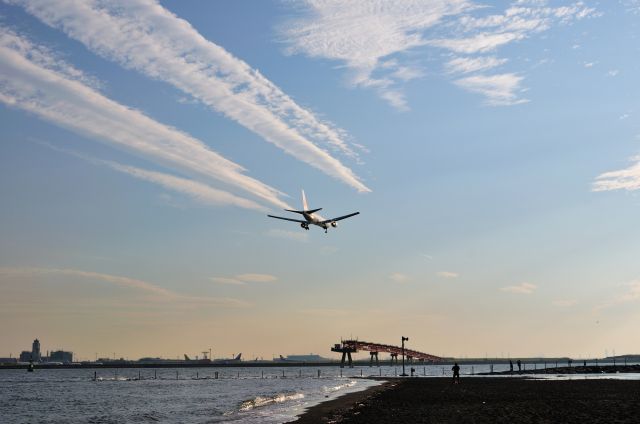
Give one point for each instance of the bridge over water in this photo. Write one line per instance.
(347, 347)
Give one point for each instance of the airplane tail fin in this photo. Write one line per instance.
(237, 358)
(304, 202)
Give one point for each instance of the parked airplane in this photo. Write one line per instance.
(311, 218)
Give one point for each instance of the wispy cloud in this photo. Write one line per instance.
(564, 303)
(624, 179)
(153, 292)
(447, 274)
(631, 295)
(363, 34)
(30, 82)
(500, 90)
(143, 35)
(371, 37)
(466, 65)
(399, 277)
(242, 279)
(522, 288)
(201, 193)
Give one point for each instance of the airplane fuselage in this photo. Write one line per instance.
(310, 218)
(313, 219)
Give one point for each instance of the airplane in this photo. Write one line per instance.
(311, 218)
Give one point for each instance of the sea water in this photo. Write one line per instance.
(193, 395)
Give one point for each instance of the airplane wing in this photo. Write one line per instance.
(288, 219)
(339, 218)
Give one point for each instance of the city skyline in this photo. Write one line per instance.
(490, 147)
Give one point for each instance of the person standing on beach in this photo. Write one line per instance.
(456, 373)
(519, 366)
(510, 366)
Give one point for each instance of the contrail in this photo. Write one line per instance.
(142, 35)
(33, 80)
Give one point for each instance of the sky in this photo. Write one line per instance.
(492, 149)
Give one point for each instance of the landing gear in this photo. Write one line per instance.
(305, 226)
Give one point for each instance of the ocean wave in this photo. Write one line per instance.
(260, 401)
(340, 386)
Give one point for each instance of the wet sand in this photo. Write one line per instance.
(485, 400)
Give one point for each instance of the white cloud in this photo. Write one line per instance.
(154, 292)
(564, 303)
(613, 72)
(589, 64)
(257, 278)
(243, 279)
(448, 274)
(624, 179)
(28, 85)
(500, 90)
(371, 37)
(522, 288)
(465, 65)
(142, 35)
(631, 6)
(631, 295)
(199, 192)
(364, 34)
(398, 277)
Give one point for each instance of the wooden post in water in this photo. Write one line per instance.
(282, 373)
(155, 374)
(318, 373)
(95, 375)
(216, 375)
(139, 376)
(262, 374)
(176, 375)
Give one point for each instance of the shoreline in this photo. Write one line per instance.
(333, 410)
(589, 369)
(484, 400)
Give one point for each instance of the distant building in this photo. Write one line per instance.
(25, 356)
(8, 360)
(35, 351)
(61, 356)
(302, 358)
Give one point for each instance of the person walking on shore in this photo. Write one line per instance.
(456, 373)
(510, 366)
(519, 366)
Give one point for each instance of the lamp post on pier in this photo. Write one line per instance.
(404, 374)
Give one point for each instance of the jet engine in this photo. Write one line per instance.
(305, 226)
(334, 224)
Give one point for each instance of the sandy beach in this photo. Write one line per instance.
(485, 400)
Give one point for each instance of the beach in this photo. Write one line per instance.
(485, 400)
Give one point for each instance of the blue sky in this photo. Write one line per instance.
(491, 148)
